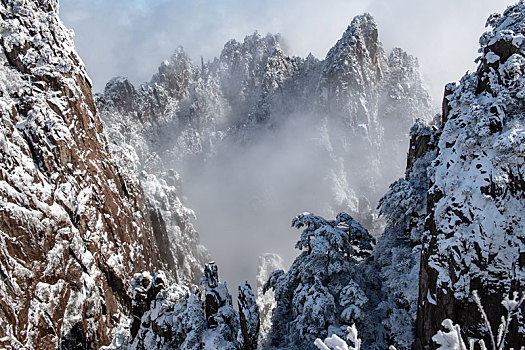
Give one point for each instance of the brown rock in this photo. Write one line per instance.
(72, 231)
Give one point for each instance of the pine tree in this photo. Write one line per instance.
(319, 294)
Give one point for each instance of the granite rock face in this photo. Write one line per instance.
(73, 227)
(474, 238)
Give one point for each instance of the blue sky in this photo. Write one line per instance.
(131, 37)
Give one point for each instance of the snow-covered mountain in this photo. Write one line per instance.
(258, 135)
(97, 248)
(357, 99)
(73, 228)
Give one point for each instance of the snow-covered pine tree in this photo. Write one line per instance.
(318, 295)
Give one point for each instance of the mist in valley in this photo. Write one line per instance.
(246, 191)
(246, 195)
(259, 137)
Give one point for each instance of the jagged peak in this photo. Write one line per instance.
(253, 43)
(179, 60)
(310, 57)
(361, 37)
(269, 39)
(179, 55)
(118, 89)
(399, 55)
(117, 82)
(176, 74)
(362, 27)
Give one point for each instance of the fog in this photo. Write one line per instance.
(246, 196)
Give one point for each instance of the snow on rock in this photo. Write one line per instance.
(248, 317)
(474, 232)
(398, 250)
(171, 222)
(355, 99)
(73, 230)
(133, 133)
(174, 316)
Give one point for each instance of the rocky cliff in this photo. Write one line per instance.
(474, 232)
(395, 267)
(73, 227)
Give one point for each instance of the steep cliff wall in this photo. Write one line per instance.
(73, 230)
(474, 239)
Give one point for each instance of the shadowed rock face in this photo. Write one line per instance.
(474, 230)
(249, 317)
(73, 230)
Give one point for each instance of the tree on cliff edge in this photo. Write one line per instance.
(318, 295)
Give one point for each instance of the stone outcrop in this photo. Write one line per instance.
(73, 228)
(474, 239)
(248, 317)
(173, 316)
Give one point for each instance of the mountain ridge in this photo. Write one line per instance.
(98, 248)
(254, 85)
